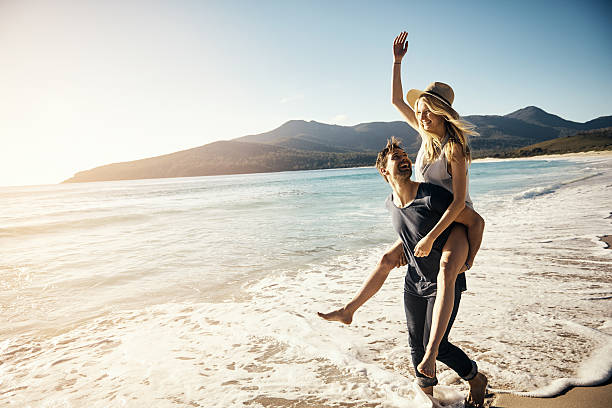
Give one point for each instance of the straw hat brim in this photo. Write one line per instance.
(414, 94)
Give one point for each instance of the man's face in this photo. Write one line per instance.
(398, 165)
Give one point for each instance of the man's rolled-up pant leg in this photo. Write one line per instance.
(416, 309)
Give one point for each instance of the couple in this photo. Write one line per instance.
(439, 232)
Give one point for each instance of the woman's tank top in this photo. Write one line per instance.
(436, 172)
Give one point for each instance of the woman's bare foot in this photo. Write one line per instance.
(478, 389)
(340, 315)
(427, 367)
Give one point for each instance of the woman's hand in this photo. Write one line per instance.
(423, 247)
(400, 46)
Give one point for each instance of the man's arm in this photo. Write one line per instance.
(393, 258)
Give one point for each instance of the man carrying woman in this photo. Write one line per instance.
(426, 213)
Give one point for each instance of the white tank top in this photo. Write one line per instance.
(436, 172)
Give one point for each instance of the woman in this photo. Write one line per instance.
(442, 160)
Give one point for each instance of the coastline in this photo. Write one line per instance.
(578, 155)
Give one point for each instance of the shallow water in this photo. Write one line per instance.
(203, 291)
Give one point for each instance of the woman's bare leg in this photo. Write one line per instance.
(393, 258)
(454, 254)
(474, 235)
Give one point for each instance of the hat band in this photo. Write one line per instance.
(437, 95)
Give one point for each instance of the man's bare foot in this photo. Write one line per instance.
(428, 390)
(427, 367)
(478, 389)
(340, 315)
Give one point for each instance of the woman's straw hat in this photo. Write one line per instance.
(438, 90)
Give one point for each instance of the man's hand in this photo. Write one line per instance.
(423, 247)
(395, 256)
(402, 261)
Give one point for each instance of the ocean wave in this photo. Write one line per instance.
(227, 355)
(73, 224)
(595, 370)
(551, 188)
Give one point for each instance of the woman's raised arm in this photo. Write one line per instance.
(400, 47)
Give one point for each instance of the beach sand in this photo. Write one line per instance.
(591, 154)
(579, 397)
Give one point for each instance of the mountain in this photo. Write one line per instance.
(599, 123)
(315, 136)
(521, 128)
(224, 157)
(537, 116)
(302, 145)
(524, 127)
(503, 132)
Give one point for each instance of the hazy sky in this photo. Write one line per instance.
(86, 83)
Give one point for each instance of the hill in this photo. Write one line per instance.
(302, 145)
(586, 141)
(224, 157)
(315, 136)
(496, 133)
(537, 116)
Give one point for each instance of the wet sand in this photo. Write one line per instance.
(579, 397)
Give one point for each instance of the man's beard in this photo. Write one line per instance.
(405, 173)
(404, 176)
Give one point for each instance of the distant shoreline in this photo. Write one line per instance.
(578, 155)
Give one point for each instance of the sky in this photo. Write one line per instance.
(87, 83)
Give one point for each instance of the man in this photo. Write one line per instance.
(432, 287)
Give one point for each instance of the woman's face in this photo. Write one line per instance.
(428, 120)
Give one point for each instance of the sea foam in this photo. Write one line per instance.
(215, 304)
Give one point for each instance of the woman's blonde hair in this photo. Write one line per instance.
(458, 130)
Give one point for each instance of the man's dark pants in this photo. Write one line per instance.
(419, 312)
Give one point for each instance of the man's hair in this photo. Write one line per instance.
(381, 160)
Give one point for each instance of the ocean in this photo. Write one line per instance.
(203, 291)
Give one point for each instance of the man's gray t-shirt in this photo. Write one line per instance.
(412, 223)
